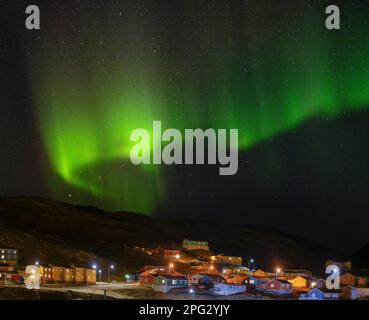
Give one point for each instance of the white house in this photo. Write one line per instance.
(228, 289)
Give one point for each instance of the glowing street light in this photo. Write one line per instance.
(251, 261)
(177, 256)
(94, 266)
(170, 267)
(37, 263)
(192, 291)
(111, 267)
(278, 271)
(100, 272)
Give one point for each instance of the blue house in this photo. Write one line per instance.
(321, 294)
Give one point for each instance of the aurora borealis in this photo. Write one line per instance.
(99, 69)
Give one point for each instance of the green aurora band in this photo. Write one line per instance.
(262, 77)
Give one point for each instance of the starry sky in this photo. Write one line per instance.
(73, 91)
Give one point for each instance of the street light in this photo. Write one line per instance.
(278, 272)
(177, 256)
(111, 267)
(170, 267)
(37, 263)
(100, 271)
(192, 291)
(94, 266)
(251, 261)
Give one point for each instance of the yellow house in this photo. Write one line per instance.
(80, 275)
(259, 273)
(70, 275)
(91, 276)
(298, 282)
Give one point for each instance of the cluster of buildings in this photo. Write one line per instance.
(11, 272)
(196, 268)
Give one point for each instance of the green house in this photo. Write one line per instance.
(165, 283)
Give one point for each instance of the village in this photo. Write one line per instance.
(192, 271)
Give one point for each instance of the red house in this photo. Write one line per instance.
(2, 280)
(278, 286)
(148, 280)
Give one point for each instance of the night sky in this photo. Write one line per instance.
(73, 91)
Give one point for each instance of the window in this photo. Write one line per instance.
(174, 282)
(272, 285)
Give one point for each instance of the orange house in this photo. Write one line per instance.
(52, 274)
(237, 279)
(80, 275)
(90, 276)
(70, 275)
(347, 279)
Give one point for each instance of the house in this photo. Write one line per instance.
(9, 256)
(195, 245)
(278, 286)
(90, 276)
(353, 293)
(67, 275)
(80, 275)
(255, 282)
(6, 268)
(237, 279)
(46, 274)
(165, 283)
(298, 282)
(289, 274)
(2, 280)
(148, 280)
(168, 253)
(259, 273)
(57, 274)
(347, 279)
(157, 269)
(320, 294)
(70, 275)
(362, 277)
(319, 283)
(227, 289)
(209, 280)
(229, 260)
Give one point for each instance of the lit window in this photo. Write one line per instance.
(272, 285)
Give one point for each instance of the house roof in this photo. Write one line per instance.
(325, 290)
(212, 276)
(172, 277)
(281, 281)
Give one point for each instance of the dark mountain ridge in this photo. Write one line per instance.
(62, 233)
